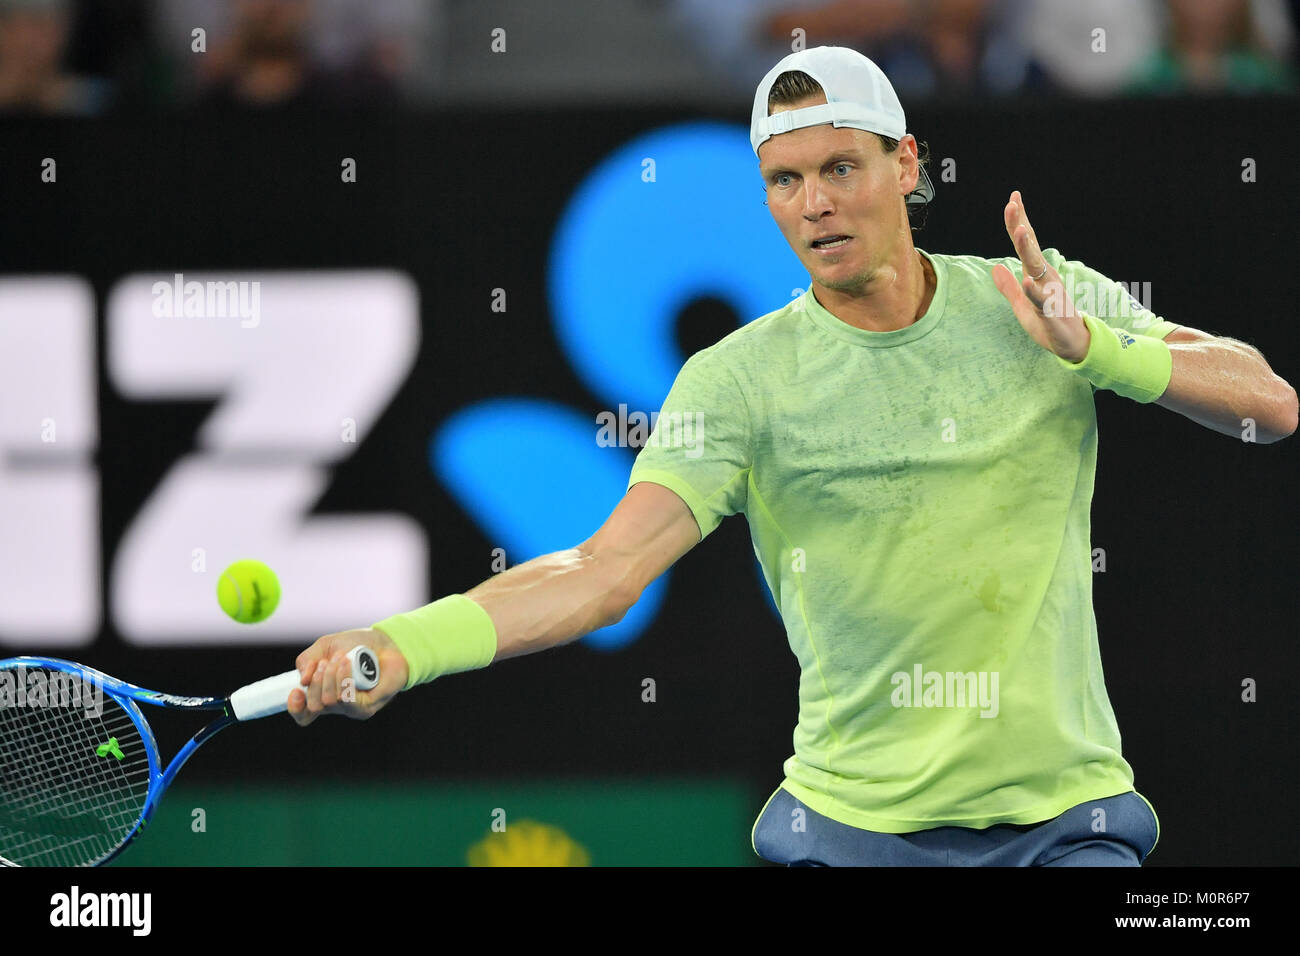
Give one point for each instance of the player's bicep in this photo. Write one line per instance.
(644, 536)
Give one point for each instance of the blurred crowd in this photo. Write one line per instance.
(85, 57)
(1084, 48)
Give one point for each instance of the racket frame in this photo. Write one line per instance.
(129, 696)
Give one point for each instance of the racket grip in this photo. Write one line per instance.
(271, 696)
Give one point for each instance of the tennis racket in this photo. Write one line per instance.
(80, 774)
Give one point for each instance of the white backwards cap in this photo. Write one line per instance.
(858, 95)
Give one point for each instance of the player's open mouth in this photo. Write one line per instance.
(831, 243)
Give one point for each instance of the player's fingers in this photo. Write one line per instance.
(333, 681)
(1018, 214)
(1011, 213)
(298, 707)
(1016, 292)
(1024, 238)
(1031, 257)
(306, 661)
(314, 691)
(350, 694)
(369, 702)
(1007, 284)
(331, 685)
(323, 649)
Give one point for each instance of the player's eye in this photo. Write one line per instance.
(781, 179)
(843, 166)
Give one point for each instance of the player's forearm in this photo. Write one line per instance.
(1223, 383)
(552, 600)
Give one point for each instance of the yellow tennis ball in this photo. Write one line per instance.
(248, 591)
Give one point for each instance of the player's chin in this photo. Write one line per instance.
(840, 278)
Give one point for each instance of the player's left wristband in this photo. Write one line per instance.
(450, 635)
(1135, 366)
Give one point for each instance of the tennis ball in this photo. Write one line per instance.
(248, 591)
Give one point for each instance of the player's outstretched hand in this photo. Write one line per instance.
(324, 667)
(1039, 300)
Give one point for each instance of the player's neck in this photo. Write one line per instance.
(897, 296)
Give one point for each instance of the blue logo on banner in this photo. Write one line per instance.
(630, 252)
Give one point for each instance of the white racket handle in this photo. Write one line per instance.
(271, 696)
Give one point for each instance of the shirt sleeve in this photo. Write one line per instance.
(1112, 302)
(700, 445)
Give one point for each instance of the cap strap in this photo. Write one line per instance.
(839, 113)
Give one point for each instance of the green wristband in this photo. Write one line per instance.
(1135, 366)
(451, 635)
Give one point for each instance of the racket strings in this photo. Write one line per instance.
(74, 775)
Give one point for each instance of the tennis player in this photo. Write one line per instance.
(913, 442)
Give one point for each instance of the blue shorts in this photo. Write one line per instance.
(1078, 837)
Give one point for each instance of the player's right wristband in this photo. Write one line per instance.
(451, 635)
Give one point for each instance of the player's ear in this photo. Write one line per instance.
(908, 159)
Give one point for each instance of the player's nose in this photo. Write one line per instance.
(815, 201)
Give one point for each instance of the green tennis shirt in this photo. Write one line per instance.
(919, 502)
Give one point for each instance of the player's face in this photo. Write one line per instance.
(823, 181)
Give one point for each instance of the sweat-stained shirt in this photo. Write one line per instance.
(919, 501)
